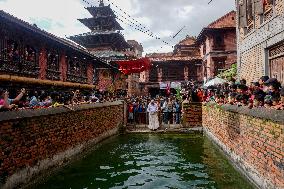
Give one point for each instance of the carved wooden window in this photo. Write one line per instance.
(173, 73)
(95, 76)
(219, 65)
(53, 72)
(30, 54)
(13, 51)
(204, 48)
(268, 6)
(10, 56)
(77, 70)
(246, 14)
(53, 61)
(276, 62)
(153, 75)
(29, 62)
(242, 13)
(248, 9)
(18, 58)
(218, 42)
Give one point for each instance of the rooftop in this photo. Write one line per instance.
(226, 22)
(189, 40)
(160, 57)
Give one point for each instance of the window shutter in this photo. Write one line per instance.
(242, 15)
(258, 7)
(249, 9)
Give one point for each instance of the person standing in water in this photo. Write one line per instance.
(153, 116)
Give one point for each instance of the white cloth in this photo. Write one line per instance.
(153, 116)
(152, 108)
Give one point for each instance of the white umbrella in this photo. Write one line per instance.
(214, 82)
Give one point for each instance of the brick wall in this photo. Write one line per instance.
(252, 47)
(192, 115)
(35, 140)
(252, 64)
(255, 144)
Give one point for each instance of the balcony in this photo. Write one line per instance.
(71, 77)
(53, 74)
(218, 47)
(20, 68)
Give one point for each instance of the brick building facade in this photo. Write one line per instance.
(29, 55)
(204, 57)
(181, 65)
(260, 39)
(218, 46)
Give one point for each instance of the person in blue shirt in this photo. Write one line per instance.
(177, 108)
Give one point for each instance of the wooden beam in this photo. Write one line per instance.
(17, 79)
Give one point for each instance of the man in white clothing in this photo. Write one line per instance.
(153, 115)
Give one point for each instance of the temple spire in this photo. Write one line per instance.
(102, 3)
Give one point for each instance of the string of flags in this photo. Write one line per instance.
(125, 18)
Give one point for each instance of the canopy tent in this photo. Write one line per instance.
(134, 66)
(214, 82)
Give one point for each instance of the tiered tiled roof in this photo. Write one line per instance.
(185, 50)
(105, 31)
(188, 41)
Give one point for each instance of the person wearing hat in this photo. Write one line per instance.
(153, 115)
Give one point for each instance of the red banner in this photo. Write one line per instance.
(134, 66)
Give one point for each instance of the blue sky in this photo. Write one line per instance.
(162, 17)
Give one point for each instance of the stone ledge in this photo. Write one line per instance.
(263, 113)
(21, 114)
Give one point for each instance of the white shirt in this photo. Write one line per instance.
(152, 108)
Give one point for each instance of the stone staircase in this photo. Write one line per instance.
(171, 128)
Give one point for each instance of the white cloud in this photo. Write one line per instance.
(57, 17)
(184, 11)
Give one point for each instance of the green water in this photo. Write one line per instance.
(150, 161)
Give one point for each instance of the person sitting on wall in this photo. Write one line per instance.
(76, 96)
(4, 100)
(8, 103)
(34, 99)
(45, 101)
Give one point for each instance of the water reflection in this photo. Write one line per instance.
(150, 161)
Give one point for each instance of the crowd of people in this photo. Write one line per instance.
(266, 92)
(169, 109)
(36, 99)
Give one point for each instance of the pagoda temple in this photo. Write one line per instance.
(105, 40)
